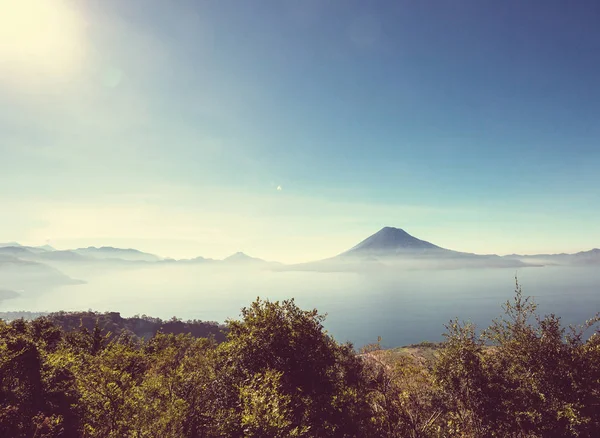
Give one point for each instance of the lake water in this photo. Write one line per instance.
(403, 307)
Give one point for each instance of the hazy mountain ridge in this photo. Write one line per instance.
(590, 257)
(394, 248)
(390, 249)
(16, 273)
(35, 249)
(34, 270)
(17, 251)
(388, 245)
(109, 252)
(392, 242)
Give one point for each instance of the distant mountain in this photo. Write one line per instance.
(107, 252)
(391, 241)
(241, 258)
(394, 248)
(38, 254)
(389, 247)
(591, 256)
(35, 249)
(395, 244)
(18, 274)
(582, 258)
(63, 256)
(3, 245)
(17, 251)
(46, 248)
(199, 260)
(91, 254)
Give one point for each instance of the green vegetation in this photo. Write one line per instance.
(279, 374)
(137, 326)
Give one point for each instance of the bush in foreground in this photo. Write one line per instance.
(279, 374)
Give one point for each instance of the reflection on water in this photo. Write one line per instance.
(402, 308)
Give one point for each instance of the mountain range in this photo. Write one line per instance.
(388, 248)
(394, 248)
(17, 273)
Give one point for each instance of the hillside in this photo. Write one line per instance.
(141, 327)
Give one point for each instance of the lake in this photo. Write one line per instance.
(402, 307)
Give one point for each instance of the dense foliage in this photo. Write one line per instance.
(279, 374)
(137, 326)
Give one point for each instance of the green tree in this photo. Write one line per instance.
(524, 376)
(266, 410)
(321, 378)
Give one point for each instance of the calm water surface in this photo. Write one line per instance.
(403, 307)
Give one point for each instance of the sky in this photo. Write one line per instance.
(291, 130)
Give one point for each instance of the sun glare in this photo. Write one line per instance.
(39, 39)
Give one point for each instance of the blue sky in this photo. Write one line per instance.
(292, 129)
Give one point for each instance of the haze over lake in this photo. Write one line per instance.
(402, 307)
